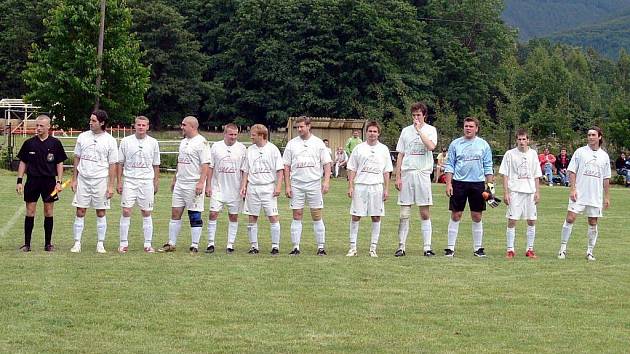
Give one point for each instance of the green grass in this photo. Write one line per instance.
(76, 303)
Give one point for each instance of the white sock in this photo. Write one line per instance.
(252, 233)
(477, 233)
(274, 230)
(319, 229)
(354, 233)
(101, 228)
(565, 235)
(173, 231)
(195, 235)
(78, 228)
(376, 233)
(427, 230)
(403, 230)
(592, 233)
(453, 229)
(531, 236)
(125, 221)
(147, 230)
(212, 231)
(510, 234)
(296, 233)
(232, 230)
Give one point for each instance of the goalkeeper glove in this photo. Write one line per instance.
(493, 201)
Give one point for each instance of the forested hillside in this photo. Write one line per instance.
(540, 18)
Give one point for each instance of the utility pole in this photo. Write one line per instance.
(99, 55)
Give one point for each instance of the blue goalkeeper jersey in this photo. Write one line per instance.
(469, 160)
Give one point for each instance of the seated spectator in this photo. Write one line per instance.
(327, 143)
(340, 160)
(547, 161)
(441, 163)
(562, 162)
(620, 165)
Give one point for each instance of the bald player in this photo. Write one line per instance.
(188, 185)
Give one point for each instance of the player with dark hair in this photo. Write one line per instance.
(95, 159)
(589, 182)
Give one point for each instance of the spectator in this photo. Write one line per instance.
(441, 163)
(562, 162)
(620, 165)
(547, 160)
(327, 143)
(341, 158)
(353, 141)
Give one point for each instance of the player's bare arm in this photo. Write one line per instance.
(75, 173)
(113, 167)
(201, 184)
(243, 184)
(351, 175)
(386, 176)
(278, 190)
(573, 191)
(326, 182)
(119, 174)
(506, 191)
(156, 178)
(19, 187)
(448, 178)
(287, 181)
(59, 177)
(398, 170)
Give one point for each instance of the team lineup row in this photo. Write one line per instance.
(249, 180)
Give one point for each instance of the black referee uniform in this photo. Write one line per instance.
(41, 159)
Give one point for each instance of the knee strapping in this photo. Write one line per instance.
(195, 218)
(405, 212)
(316, 214)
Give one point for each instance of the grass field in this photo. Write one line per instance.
(178, 303)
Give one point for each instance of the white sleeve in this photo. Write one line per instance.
(278, 159)
(156, 154)
(77, 147)
(112, 155)
(505, 163)
(352, 161)
(432, 134)
(121, 152)
(287, 157)
(389, 167)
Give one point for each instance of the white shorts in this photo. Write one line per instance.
(416, 188)
(306, 192)
(367, 200)
(522, 207)
(184, 196)
(233, 207)
(137, 191)
(91, 193)
(261, 197)
(588, 210)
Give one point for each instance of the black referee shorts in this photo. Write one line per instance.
(471, 191)
(37, 186)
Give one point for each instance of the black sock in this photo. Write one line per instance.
(28, 229)
(48, 228)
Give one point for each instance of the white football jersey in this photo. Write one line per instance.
(591, 167)
(370, 162)
(521, 169)
(193, 152)
(96, 153)
(416, 157)
(262, 163)
(226, 163)
(138, 156)
(306, 158)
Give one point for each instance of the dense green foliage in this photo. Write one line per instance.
(248, 61)
(539, 18)
(61, 74)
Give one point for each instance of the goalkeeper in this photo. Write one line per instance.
(469, 165)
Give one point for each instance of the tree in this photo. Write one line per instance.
(21, 25)
(61, 74)
(176, 64)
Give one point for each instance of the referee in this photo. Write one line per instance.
(41, 157)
